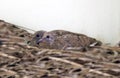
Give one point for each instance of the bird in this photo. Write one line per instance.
(118, 44)
(63, 40)
(37, 35)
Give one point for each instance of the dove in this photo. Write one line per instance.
(118, 44)
(63, 40)
(37, 35)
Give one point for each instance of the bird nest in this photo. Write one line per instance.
(19, 60)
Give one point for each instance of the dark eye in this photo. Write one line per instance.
(37, 35)
(47, 36)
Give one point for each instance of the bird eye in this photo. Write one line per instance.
(37, 35)
(47, 36)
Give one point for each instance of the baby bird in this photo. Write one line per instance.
(63, 40)
(37, 35)
(119, 44)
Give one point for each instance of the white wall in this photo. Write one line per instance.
(96, 18)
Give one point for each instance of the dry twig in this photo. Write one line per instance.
(6, 55)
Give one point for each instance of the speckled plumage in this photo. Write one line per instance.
(61, 39)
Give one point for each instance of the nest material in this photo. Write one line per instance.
(19, 60)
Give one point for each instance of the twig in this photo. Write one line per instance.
(110, 64)
(8, 71)
(99, 72)
(12, 38)
(6, 55)
(109, 47)
(25, 28)
(79, 65)
(65, 61)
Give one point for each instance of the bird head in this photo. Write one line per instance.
(37, 36)
(47, 37)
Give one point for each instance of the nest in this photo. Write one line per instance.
(19, 60)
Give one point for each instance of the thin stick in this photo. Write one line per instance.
(8, 71)
(6, 55)
(78, 65)
(99, 72)
(65, 61)
(25, 28)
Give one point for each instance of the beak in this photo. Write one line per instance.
(39, 41)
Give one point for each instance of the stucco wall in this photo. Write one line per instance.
(96, 18)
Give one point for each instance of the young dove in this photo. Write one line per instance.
(63, 40)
